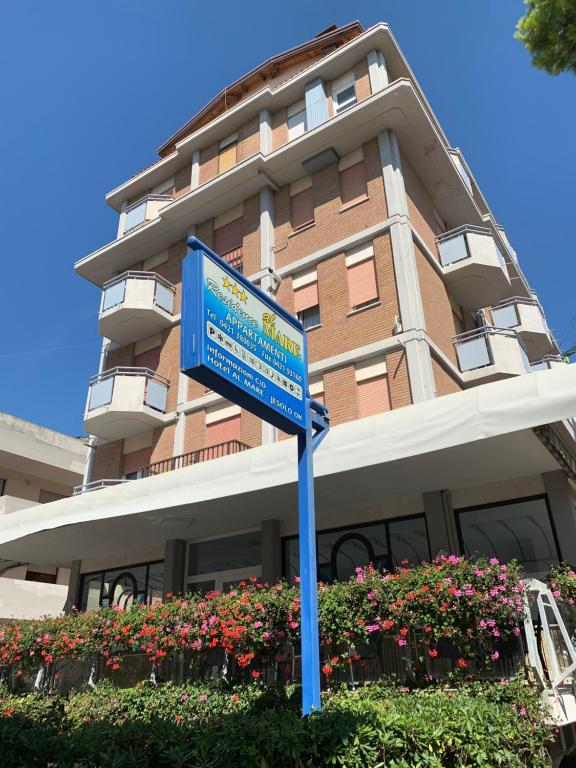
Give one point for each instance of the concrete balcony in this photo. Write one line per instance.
(136, 305)
(547, 363)
(487, 354)
(474, 267)
(123, 402)
(525, 316)
(143, 210)
(9, 504)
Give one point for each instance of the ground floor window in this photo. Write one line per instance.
(521, 529)
(123, 586)
(221, 564)
(340, 551)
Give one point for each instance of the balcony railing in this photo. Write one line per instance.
(508, 313)
(490, 346)
(102, 387)
(97, 485)
(114, 291)
(465, 242)
(143, 210)
(194, 457)
(234, 258)
(547, 362)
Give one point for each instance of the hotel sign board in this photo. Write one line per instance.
(239, 342)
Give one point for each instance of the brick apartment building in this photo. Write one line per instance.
(324, 176)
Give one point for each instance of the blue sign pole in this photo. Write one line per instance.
(316, 430)
(308, 577)
(242, 344)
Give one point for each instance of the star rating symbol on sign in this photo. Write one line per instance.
(234, 289)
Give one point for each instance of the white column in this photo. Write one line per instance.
(404, 257)
(265, 132)
(179, 430)
(266, 263)
(377, 71)
(195, 173)
(182, 397)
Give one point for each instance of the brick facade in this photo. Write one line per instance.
(331, 222)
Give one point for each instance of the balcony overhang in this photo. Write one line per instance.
(174, 221)
(466, 439)
(331, 66)
(398, 108)
(40, 452)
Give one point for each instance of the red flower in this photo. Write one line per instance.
(433, 653)
(327, 670)
(256, 674)
(462, 663)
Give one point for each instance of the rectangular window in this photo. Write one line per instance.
(227, 154)
(519, 529)
(133, 461)
(306, 302)
(361, 274)
(141, 584)
(386, 544)
(228, 240)
(352, 177)
(222, 424)
(344, 92)
(301, 203)
(297, 120)
(373, 390)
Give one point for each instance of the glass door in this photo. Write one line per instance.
(222, 581)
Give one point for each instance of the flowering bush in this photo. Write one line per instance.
(476, 606)
(562, 582)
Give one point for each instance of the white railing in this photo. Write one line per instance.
(102, 387)
(547, 362)
(474, 348)
(143, 210)
(114, 290)
(96, 485)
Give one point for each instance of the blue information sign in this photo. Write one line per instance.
(241, 343)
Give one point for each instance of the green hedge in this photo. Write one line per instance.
(255, 727)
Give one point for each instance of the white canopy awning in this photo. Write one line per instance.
(469, 438)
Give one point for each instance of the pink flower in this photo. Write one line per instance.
(495, 656)
(494, 561)
(401, 641)
(184, 697)
(257, 624)
(372, 628)
(203, 697)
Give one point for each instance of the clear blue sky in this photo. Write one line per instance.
(90, 89)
